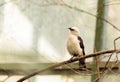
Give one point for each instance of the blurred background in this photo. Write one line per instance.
(33, 35)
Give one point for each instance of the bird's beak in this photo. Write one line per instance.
(69, 28)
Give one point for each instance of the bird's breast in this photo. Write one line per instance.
(73, 46)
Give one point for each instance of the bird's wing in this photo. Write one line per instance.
(81, 44)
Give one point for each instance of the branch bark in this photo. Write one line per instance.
(98, 68)
(68, 61)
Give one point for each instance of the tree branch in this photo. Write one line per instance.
(75, 8)
(98, 68)
(68, 61)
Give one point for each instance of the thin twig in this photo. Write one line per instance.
(73, 69)
(115, 46)
(107, 62)
(115, 41)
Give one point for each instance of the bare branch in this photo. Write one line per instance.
(115, 42)
(115, 46)
(66, 62)
(98, 68)
(107, 62)
(75, 8)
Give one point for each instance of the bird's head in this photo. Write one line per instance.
(74, 30)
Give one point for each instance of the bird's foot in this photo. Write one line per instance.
(71, 58)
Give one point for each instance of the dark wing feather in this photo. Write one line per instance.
(81, 44)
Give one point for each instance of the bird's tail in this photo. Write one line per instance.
(82, 64)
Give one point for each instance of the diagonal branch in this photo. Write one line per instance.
(68, 61)
(80, 10)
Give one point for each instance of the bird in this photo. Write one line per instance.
(75, 46)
